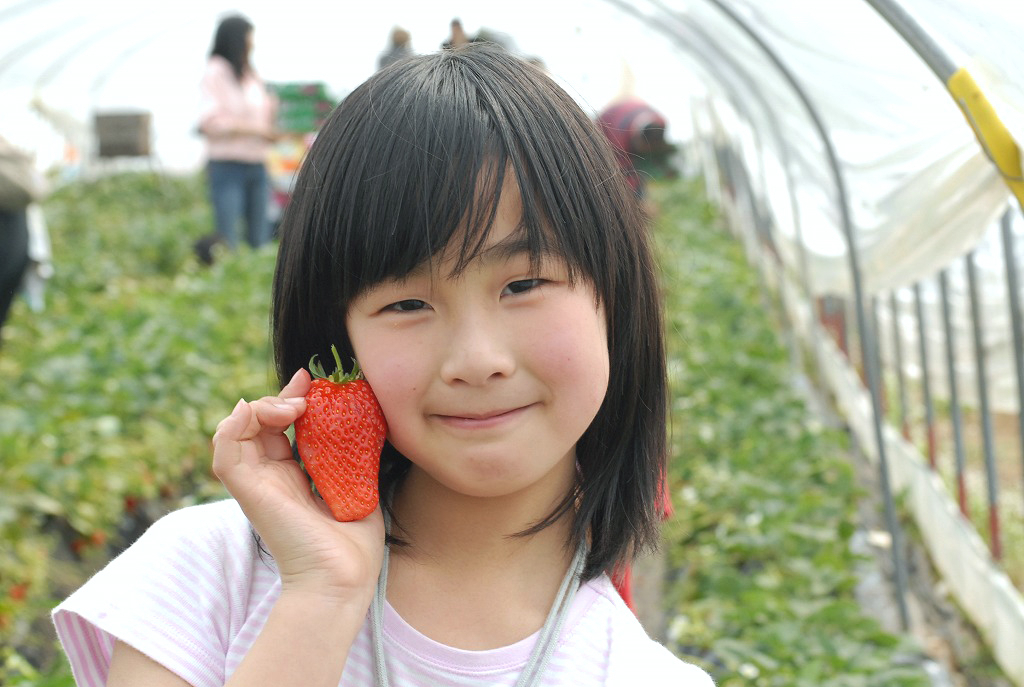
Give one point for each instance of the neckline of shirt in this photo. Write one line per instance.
(401, 636)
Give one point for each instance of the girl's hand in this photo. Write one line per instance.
(315, 555)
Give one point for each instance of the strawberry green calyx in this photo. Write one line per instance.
(338, 376)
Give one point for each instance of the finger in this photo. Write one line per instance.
(227, 447)
(231, 427)
(274, 413)
(298, 386)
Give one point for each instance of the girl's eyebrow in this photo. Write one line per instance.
(514, 245)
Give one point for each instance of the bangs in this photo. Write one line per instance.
(456, 225)
(414, 161)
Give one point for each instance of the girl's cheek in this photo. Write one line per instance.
(392, 380)
(575, 342)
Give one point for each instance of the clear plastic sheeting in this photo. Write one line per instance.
(985, 37)
(62, 61)
(920, 190)
(911, 179)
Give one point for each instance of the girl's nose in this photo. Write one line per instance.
(478, 351)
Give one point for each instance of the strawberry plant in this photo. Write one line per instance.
(111, 393)
(761, 589)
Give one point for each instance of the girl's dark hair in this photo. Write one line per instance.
(229, 43)
(396, 174)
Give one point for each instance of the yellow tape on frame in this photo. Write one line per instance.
(989, 129)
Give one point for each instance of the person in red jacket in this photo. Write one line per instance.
(637, 132)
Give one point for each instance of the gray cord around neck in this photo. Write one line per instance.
(546, 638)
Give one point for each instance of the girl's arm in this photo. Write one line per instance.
(129, 667)
(304, 642)
(328, 569)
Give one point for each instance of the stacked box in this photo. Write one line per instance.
(122, 134)
(304, 106)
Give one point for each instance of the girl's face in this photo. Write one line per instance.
(487, 379)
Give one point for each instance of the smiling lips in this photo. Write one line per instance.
(484, 420)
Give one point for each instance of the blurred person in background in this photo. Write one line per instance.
(400, 48)
(637, 132)
(458, 37)
(13, 257)
(23, 239)
(237, 119)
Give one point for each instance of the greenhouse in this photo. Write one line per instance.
(840, 253)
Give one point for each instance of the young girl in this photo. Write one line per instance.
(461, 229)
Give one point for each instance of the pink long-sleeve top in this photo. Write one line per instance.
(227, 106)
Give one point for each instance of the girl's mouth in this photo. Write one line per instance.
(482, 420)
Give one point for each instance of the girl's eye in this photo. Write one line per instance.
(522, 286)
(408, 305)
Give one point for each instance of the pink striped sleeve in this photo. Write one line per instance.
(90, 649)
(168, 596)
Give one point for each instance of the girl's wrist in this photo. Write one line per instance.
(328, 594)
(325, 605)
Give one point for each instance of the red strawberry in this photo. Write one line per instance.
(340, 437)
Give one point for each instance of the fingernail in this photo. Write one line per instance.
(294, 401)
(238, 406)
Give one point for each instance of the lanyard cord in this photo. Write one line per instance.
(546, 638)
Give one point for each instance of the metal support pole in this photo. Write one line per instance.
(923, 44)
(897, 347)
(926, 382)
(1016, 318)
(876, 340)
(980, 371)
(954, 396)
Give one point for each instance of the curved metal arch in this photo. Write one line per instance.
(754, 90)
(867, 343)
(916, 37)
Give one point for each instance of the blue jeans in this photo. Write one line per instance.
(238, 190)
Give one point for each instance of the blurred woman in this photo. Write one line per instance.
(237, 118)
(400, 48)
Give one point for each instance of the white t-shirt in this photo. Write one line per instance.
(194, 591)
